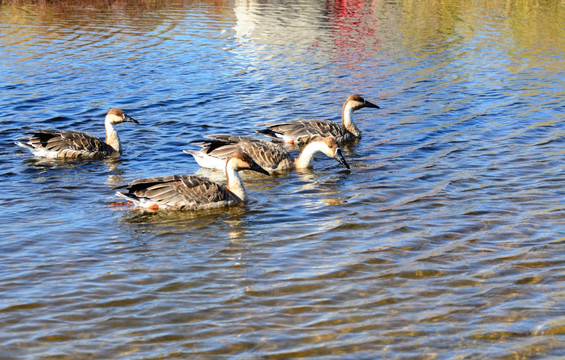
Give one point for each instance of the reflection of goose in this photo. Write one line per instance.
(191, 192)
(70, 144)
(302, 131)
(269, 156)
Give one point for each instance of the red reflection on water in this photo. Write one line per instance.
(353, 29)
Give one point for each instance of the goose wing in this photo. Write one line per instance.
(324, 128)
(219, 146)
(266, 154)
(303, 131)
(72, 144)
(182, 192)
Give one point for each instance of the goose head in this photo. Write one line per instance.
(356, 102)
(332, 149)
(241, 161)
(116, 116)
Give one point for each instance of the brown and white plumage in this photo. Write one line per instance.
(302, 131)
(269, 156)
(191, 192)
(68, 144)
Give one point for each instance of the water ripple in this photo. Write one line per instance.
(444, 240)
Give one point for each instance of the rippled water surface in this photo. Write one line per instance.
(446, 239)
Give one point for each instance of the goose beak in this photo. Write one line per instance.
(371, 105)
(259, 169)
(339, 157)
(128, 118)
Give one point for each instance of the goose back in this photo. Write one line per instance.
(180, 192)
(269, 156)
(68, 144)
(301, 132)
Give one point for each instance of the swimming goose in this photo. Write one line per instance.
(301, 131)
(68, 144)
(191, 192)
(269, 156)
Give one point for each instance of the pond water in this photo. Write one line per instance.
(446, 239)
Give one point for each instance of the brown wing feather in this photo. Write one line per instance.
(326, 127)
(264, 153)
(70, 143)
(183, 192)
(303, 131)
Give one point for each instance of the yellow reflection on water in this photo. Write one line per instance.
(354, 23)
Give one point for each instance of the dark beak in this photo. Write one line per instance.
(130, 119)
(339, 157)
(371, 105)
(259, 169)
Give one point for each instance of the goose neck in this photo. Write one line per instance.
(347, 119)
(234, 182)
(306, 156)
(112, 137)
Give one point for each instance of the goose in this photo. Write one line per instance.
(300, 132)
(269, 156)
(69, 144)
(192, 192)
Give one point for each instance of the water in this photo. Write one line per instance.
(445, 240)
